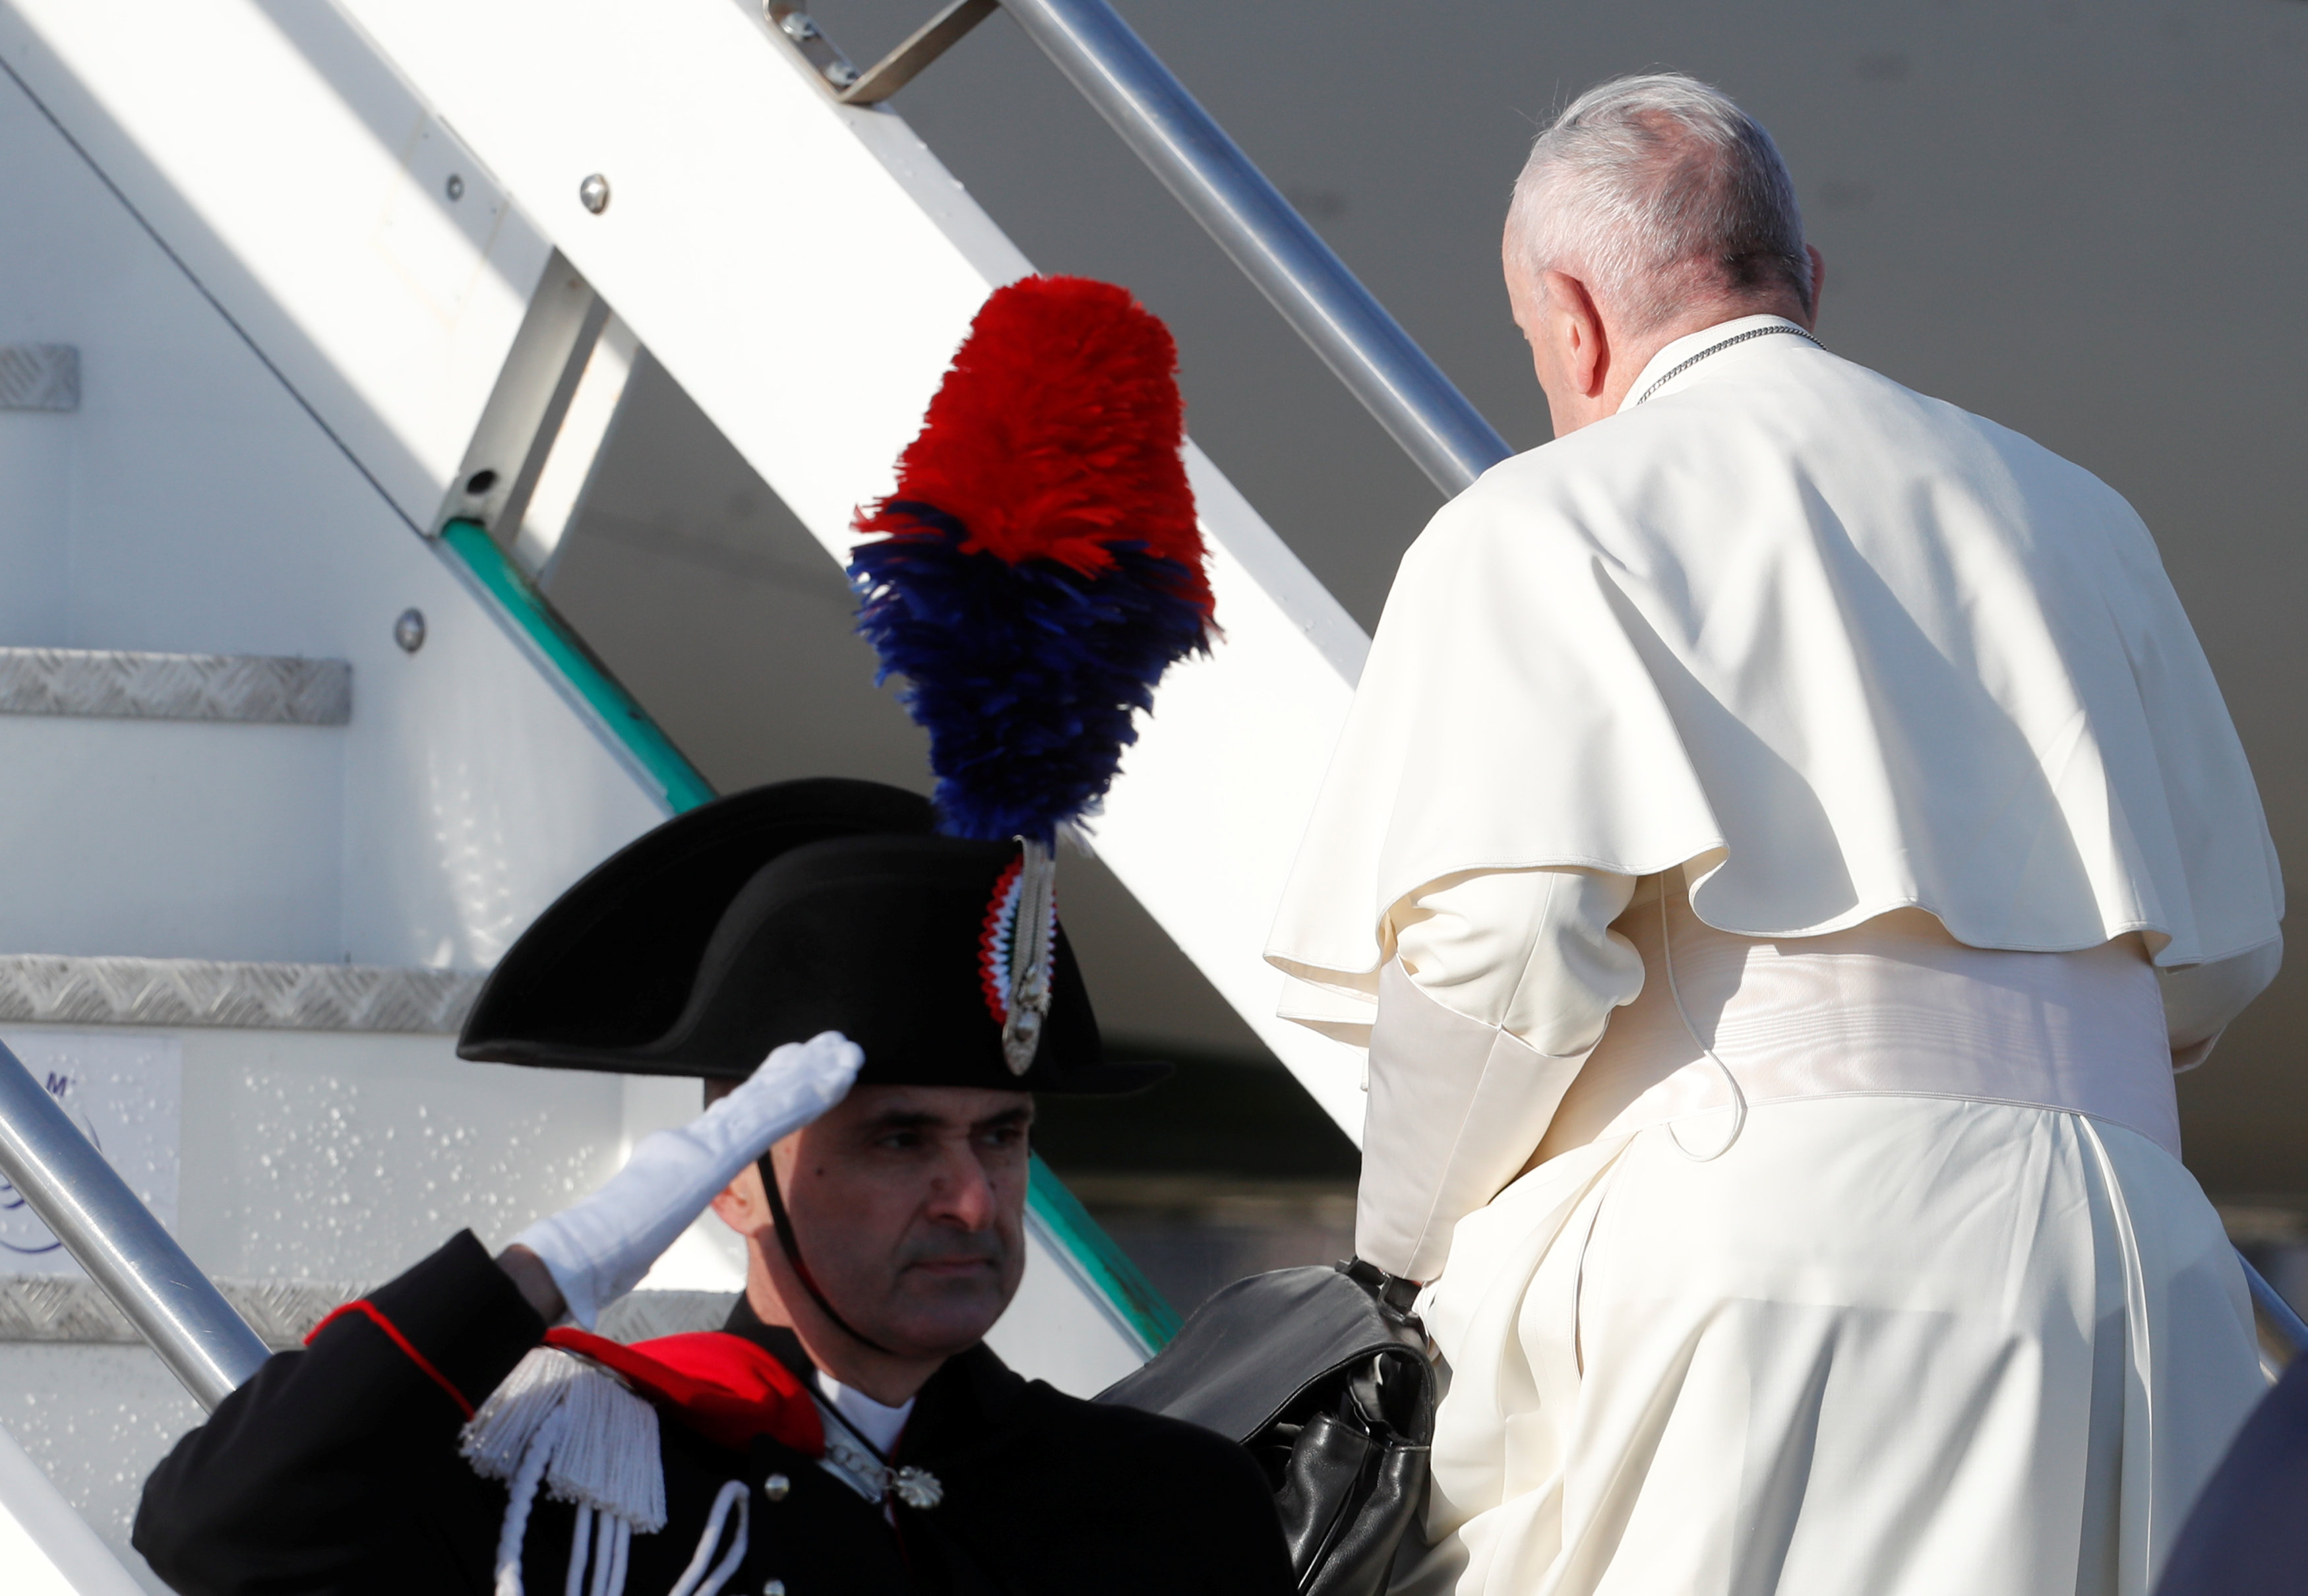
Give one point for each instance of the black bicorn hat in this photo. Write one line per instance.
(771, 915)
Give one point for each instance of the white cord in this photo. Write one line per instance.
(694, 1580)
(1738, 1097)
(622, 1546)
(559, 1424)
(581, 1543)
(522, 1494)
(609, 1537)
(730, 1560)
(608, 1576)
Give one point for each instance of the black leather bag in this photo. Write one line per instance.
(1329, 1387)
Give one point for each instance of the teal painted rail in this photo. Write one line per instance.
(1125, 1286)
(684, 787)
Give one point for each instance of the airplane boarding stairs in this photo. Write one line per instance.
(296, 748)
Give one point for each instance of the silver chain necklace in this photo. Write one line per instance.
(1716, 348)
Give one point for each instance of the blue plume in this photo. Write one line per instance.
(1026, 677)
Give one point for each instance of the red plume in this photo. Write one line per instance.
(1056, 432)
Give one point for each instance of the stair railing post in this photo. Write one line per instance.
(82, 1199)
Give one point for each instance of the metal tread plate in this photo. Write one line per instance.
(70, 1309)
(125, 684)
(67, 989)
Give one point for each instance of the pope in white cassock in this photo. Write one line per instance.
(1785, 839)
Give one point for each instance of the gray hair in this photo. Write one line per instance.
(1655, 190)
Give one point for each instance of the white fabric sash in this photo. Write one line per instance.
(1895, 1007)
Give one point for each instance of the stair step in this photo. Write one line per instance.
(63, 990)
(72, 1308)
(127, 684)
(62, 1308)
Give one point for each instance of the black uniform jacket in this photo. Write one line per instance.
(336, 1469)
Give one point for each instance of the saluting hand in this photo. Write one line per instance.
(598, 1249)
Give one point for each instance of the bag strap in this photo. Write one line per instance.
(1396, 1291)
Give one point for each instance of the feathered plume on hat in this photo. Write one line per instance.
(1036, 572)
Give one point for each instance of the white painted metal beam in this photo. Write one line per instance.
(45, 1549)
(806, 270)
(307, 188)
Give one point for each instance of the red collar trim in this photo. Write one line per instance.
(721, 1386)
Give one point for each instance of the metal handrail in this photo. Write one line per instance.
(72, 1190)
(1219, 187)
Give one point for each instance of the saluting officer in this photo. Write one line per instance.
(848, 1431)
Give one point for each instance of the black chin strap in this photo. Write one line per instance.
(792, 1249)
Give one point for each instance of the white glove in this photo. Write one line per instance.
(599, 1250)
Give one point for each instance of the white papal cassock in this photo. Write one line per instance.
(1785, 837)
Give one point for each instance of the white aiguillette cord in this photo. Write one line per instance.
(1738, 1097)
(568, 1426)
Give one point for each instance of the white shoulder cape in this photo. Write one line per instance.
(1838, 647)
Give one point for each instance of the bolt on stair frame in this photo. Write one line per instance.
(72, 1190)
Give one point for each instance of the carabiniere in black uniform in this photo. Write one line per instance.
(762, 918)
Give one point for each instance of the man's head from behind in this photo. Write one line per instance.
(908, 1209)
(1653, 206)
